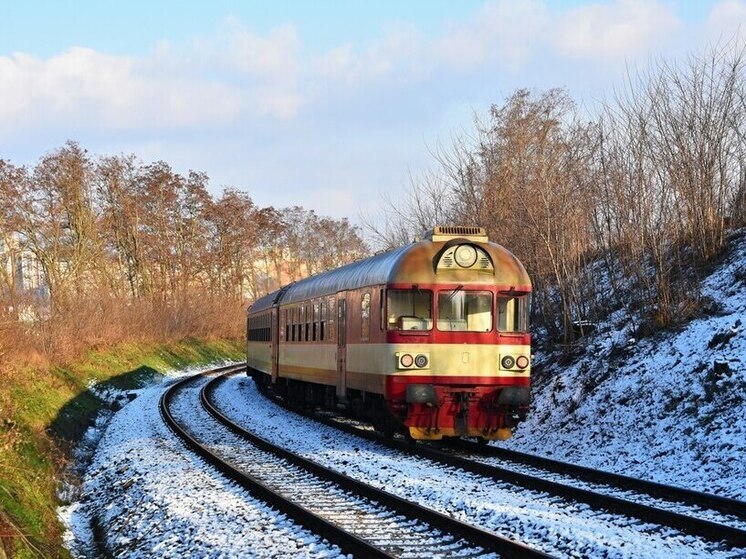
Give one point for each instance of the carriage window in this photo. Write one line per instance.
(331, 312)
(409, 309)
(465, 311)
(260, 329)
(322, 320)
(381, 314)
(512, 314)
(296, 325)
(365, 316)
(316, 320)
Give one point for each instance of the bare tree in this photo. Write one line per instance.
(236, 222)
(57, 221)
(12, 180)
(119, 195)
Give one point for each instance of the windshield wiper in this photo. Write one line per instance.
(452, 294)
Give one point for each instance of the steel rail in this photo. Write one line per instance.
(347, 542)
(712, 531)
(489, 541)
(710, 501)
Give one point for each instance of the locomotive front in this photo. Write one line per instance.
(457, 333)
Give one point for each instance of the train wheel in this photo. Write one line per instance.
(411, 441)
(357, 408)
(386, 429)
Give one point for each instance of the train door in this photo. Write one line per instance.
(274, 337)
(341, 347)
(248, 355)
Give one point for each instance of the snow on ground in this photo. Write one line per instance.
(560, 528)
(147, 496)
(305, 488)
(656, 408)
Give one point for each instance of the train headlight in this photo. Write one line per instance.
(406, 361)
(522, 362)
(421, 361)
(507, 362)
(465, 256)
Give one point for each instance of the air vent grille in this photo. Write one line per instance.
(447, 232)
(459, 230)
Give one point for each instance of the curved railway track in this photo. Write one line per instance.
(359, 518)
(714, 531)
(699, 499)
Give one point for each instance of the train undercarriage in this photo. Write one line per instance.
(425, 412)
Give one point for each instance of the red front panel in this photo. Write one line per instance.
(396, 385)
(462, 406)
(435, 336)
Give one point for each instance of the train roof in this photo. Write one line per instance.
(416, 263)
(374, 270)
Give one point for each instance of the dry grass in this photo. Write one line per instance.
(49, 361)
(87, 323)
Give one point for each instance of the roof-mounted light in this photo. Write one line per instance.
(465, 256)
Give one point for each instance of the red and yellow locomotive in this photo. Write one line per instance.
(431, 337)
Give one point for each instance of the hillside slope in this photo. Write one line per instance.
(670, 408)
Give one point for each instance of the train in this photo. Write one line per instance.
(430, 339)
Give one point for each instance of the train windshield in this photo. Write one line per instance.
(464, 311)
(409, 309)
(512, 313)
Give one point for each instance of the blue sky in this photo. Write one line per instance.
(134, 27)
(330, 105)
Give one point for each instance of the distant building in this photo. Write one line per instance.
(270, 274)
(22, 271)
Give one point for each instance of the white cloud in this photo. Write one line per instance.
(334, 63)
(613, 31)
(82, 86)
(204, 84)
(399, 56)
(237, 74)
(726, 21)
(275, 55)
(501, 31)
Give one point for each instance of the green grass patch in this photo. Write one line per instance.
(43, 413)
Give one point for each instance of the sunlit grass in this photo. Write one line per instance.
(43, 411)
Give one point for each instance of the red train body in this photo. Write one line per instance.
(430, 338)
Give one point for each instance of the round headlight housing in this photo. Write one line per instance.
(421, 361)
(406, 360)
(522, 362)
(507, 362)
(465, 256)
